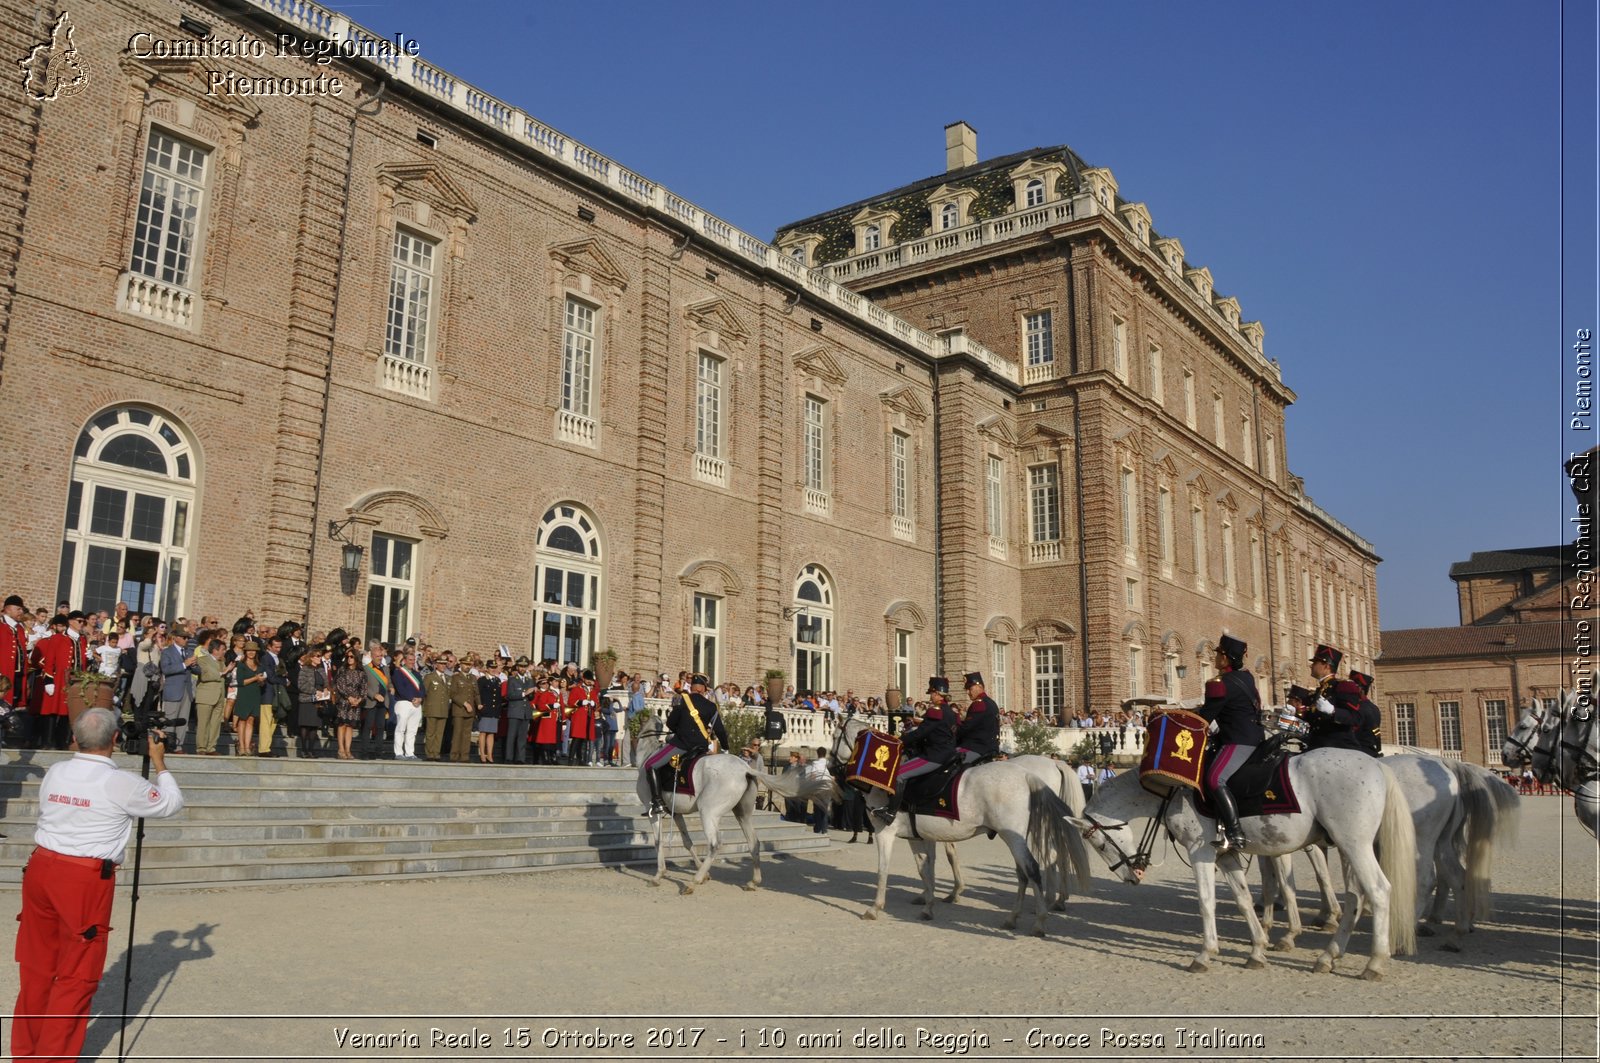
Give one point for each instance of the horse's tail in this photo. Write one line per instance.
(798, 785)
(1397, 857)
(1070, 789)
(1052, 837)
(1492, 809)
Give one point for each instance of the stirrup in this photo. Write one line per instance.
(884, 814)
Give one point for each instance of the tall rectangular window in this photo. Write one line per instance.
(1257, 568)
(1197, 539)
(1164, 527)
(1450, 726)
(997, 673)
(1229, 573)
(1119, 347)
(1128, 508)
(815, 444)
(1218, 425)
(1282, 588)
(1049, 682)
(899, 474)
(902, 661)
(1494, 712)
(410, 297)
(708, 407)
(1405, 723)
(577, 359)
(1158, 384)
(1248, 441)
(995, 494)
(1270, 446)
(1133, 671)
(1188, 397)
(170, 197)
(1040, 345)
(1044, 504)
(391, 589)
(1130, 593)
(705, 636)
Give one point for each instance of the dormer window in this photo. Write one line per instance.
(801, 247)
(949, 216)
(798, 253)
(874, 229)
(1034, 193)
(1033, 184)
(950, 207)
(871, 238)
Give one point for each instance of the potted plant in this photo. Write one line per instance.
(604, 663)
(893, 699)
(775, 682)
(88, 690)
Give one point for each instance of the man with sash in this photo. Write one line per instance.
(1334, 715)
(375, 709)
(978, 735)
(926, 747)
(1368, 733)
(1233, 708)
(695, 726)
(408, 698)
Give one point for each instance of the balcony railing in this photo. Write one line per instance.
(997, 547)
(156, 300)
(903, 528)
(711, 470)
(406, 377)
(818, 502)
(1037, 374)
(1039, 552)
(575, 428)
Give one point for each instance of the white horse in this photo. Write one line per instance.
(1562, 745)
(722, 783)
(999, 797)
(1345, 796)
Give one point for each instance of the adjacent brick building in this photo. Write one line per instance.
(247, 320)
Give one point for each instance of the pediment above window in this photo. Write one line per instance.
(425, 182)
(817, 362)
(904, 400)
(588, 258)
(995, 427)
(718, 318)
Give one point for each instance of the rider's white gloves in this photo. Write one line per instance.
(1212, 728)
(1325, 706)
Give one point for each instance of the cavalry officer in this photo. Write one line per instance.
(978, 736)
(929, 746)
(1233, 707)
(1368, 734)
(696, 728)
(1334, 715)
(86, 813)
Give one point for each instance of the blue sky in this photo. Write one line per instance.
(1376, 182)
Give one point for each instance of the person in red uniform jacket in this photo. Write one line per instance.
(86, 813)
(14, 650)
(546, 722)
(581, 700)
(53, 659)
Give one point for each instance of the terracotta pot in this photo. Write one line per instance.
(775, 691)
(604, 669)
(98, 696)
(893, 699)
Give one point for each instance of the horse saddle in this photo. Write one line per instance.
(677, 774)
(1261, 784)
(934, 794)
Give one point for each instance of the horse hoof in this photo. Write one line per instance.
(1038, 932)
(655, 882)
(927, 916)
(1371, 975)
(1451, 946)
(869, 914)
(1424, 930)
(1198, 968)
(950, 899)
(1254, 964)
(1282, 945)
(1330, 925)
(751, 887)
(1323, 966)
(1059, 906)
(1009, 924)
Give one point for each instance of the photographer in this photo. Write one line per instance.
(86, 812)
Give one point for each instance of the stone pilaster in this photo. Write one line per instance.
(771, 592)
(21, 28)
(650, 504)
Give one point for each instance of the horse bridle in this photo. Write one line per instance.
(1139, 859)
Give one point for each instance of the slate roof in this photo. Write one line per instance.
(1471, 640)
(1489, 562)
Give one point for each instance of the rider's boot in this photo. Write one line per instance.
(1227, 807)
(887, 812)
(656, 807)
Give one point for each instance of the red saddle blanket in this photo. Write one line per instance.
(935, 795)
(679, 777)
(1260, 786)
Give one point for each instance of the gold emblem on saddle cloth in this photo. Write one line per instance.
(880, 759)
(1185, 742)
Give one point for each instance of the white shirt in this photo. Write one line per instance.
(87, 806)
(109, 658)
(1085, 774)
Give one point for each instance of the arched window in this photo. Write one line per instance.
(1034, 193)
(813, 630)
(949, 216)
(566, 618)
(871, 238)
(129, 510)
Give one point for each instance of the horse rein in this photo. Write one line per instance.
(1139, 860)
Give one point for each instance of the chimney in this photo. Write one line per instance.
(960, 146)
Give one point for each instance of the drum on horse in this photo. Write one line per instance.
(721, 783)
(1562, 745)
(998, 796)
(1346, 797)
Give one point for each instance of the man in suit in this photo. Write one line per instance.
(174, 663)
(375, 710)
(275, 676)
(209, 691)
(519, 712)
(463, 714)
(436, 705)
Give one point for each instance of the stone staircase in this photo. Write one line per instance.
(255, 821)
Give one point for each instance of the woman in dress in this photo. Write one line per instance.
(249, 677)
(310, 695)
(349, 695)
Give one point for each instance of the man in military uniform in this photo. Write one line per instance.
(978, 735)
(463, 713)
(1233, 707)
(696, 727)
(1368, 735)
(1334, 714)
(436, 705)
(927, 747)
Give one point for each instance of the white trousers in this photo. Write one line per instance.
(407, 718)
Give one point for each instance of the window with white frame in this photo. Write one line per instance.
(1158, 384)
(871, 238)
(410, 297)
(130, 506)
(1041, 346)
(902, 660)
(1494, 712)
(1281, 589)
(705, 636)
(708, 407)
(1164, 527)
(995, 494)
(1197, 542)
(949, 216)
(1135, 663)
(1229, 573)
(813, 630)
(1049, 681)
(1130, 593)
(900, 474)
(166, 230)
(1405, 723)
(816, 444)
(1271, 447)
(1033, 193)
(1044, 504)
(578, 359)
(566, 625)
(1247, 437)
(1257, 568)
(1119, 347)
(1188, 397)
(1218, 429)
(391, 589)
(997, 688)
(798, 253)
(1450, 726)
(1129, 508)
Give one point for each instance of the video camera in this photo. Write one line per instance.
(146, 717)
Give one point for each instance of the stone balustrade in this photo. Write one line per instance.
(156, 300)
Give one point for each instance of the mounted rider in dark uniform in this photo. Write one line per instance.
(927, 747)
(1233, 706)
(1334, 715)
(694, 725)
(978, 735)
(1369, 735)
